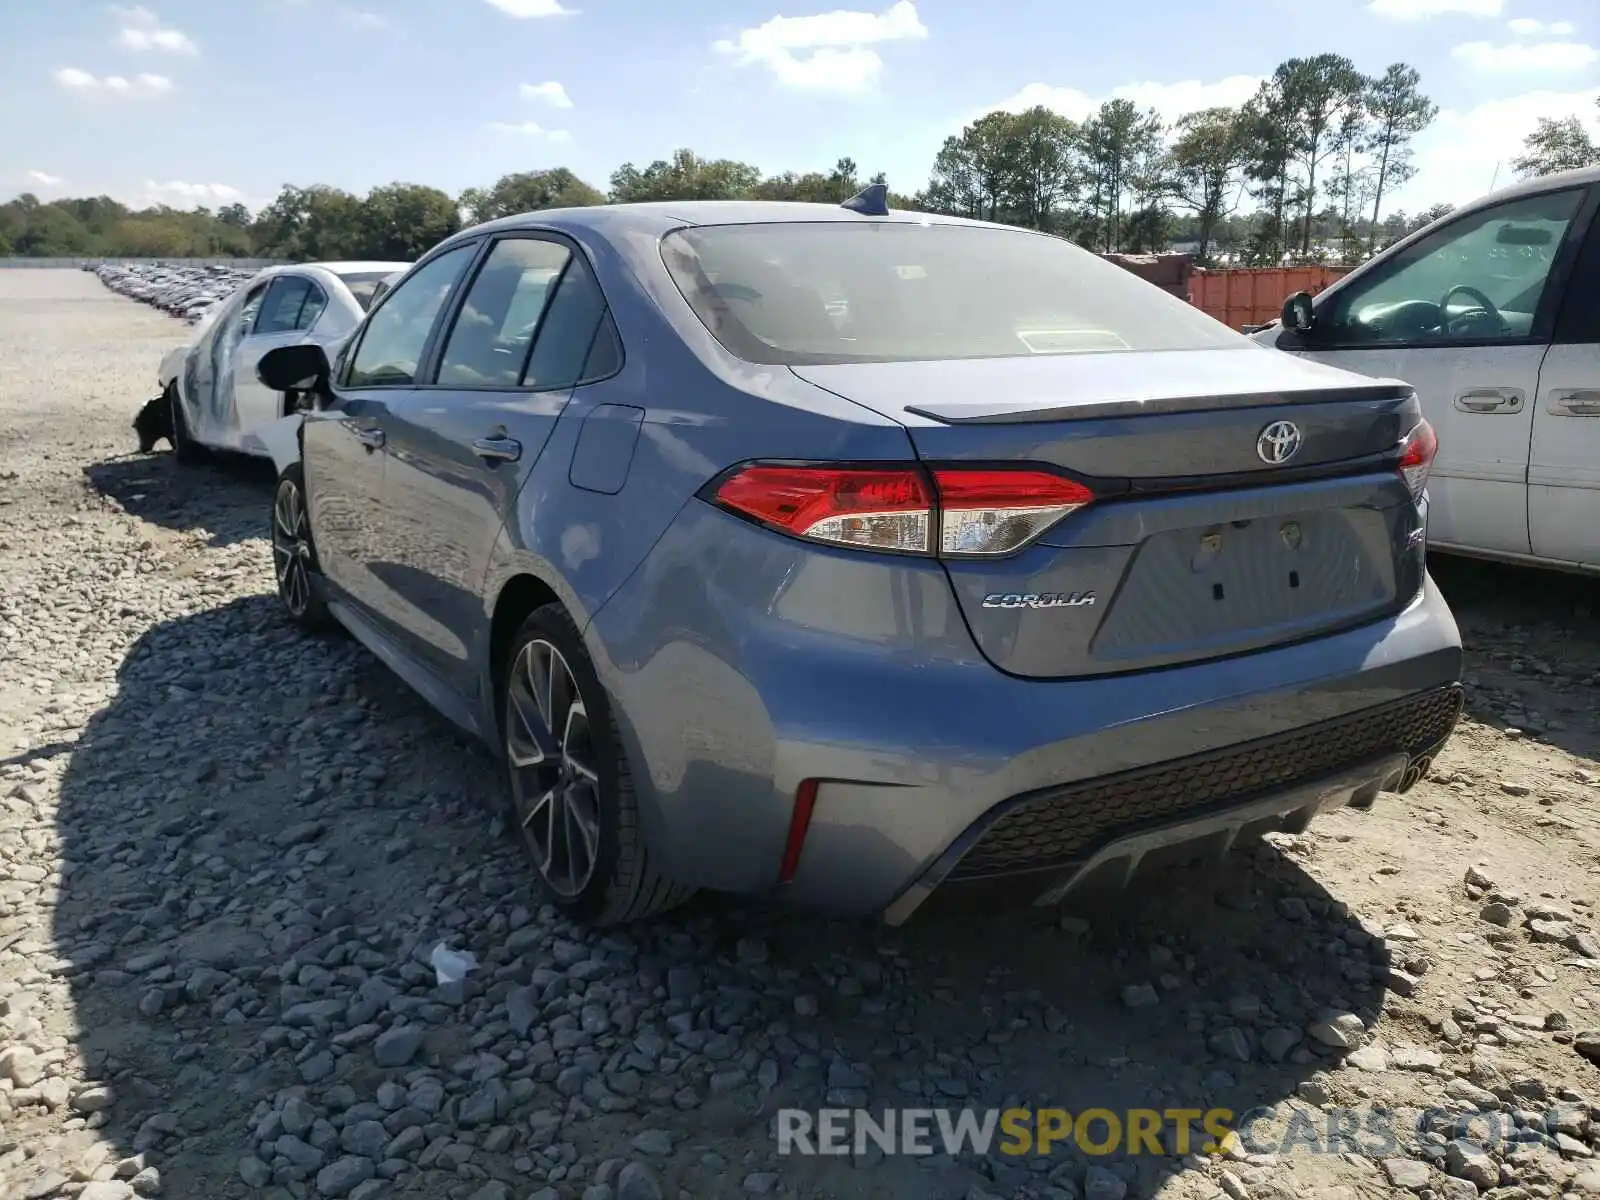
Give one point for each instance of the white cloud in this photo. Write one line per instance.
(1171, 100)
(1466, 150)
(1424, 10)
(531, 129)
(45, 179)
(172, 40)
(1525, 57)
(188, 195)
(550, 91)
(1527, 27)
(826, 52)
(142, 30)
(75, 80)
(525, 10)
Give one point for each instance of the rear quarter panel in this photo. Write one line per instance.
(702, 413)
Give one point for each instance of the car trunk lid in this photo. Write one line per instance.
(1244, 499)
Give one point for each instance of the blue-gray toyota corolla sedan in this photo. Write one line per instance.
(845, 555)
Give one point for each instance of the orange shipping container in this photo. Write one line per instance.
(1254, 296)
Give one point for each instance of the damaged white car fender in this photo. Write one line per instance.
(171, 366)
(282, 440)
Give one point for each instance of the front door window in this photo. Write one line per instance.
(1478, 280)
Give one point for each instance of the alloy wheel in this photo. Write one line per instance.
(291, 548)
(554, 780)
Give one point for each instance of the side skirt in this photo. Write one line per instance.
(419, 678)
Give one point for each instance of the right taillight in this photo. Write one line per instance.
(1416, 456)
(958, 512)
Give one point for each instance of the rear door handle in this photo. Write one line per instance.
(498, 449)
(1490, 400)
(370, 438)
(1575, 402)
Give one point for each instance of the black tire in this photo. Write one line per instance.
(294, 554)
(184, 448)
(620, 884)
(153, 422)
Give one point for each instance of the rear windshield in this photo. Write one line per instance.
(840, 292)
(364, 285)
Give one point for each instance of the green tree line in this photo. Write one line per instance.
(1303, 171)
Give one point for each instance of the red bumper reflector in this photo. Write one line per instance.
(805, 799)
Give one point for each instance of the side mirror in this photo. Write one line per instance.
(300, 368)
(1297, 312)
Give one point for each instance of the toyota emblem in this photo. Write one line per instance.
(1278, 443)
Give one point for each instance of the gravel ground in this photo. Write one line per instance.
(227, 851)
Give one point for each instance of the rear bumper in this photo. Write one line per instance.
(1059, 840)
(742, 665)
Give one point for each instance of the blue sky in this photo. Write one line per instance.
(209, 101)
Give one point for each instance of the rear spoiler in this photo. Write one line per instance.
(1139, 406)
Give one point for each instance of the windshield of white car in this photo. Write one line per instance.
(364, 285)
(819, 292)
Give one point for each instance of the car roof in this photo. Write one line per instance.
(658, 217)
(335, 269)
(359, 268)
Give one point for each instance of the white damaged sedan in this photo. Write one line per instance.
(210, 397)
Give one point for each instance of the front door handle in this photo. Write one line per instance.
(1575, 402)
(1490, 400)
(497, 449)
(370, 438)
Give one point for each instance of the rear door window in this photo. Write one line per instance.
(316, 301)
(280, 309)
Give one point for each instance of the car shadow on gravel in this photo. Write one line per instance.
(228, 497)
(264, 835)
(1533, 648)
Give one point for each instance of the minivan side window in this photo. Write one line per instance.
(489, 341)
(1479, 279)
(397, 331)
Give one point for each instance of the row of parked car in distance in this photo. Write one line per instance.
(190, 292)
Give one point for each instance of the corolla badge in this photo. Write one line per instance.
(1037, 599)
(1278, 443)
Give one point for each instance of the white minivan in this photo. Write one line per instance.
(1493, 314)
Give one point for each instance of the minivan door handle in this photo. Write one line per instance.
(1490, 400)
(1576, 402)
(497, 449)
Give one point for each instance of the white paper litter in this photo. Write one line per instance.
(451, 965)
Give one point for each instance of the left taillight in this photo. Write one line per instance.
(866, 507)
(1417, 452)
(952, 511)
